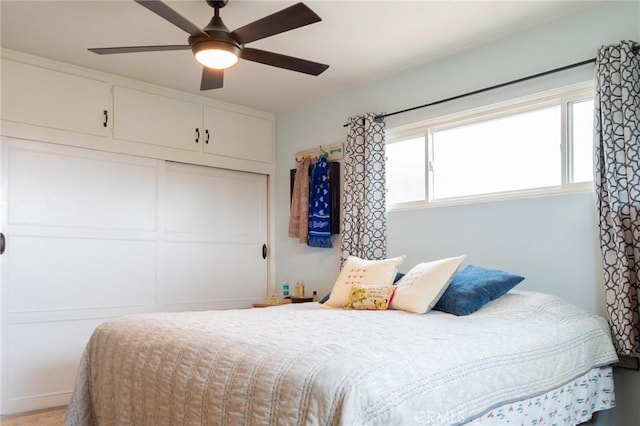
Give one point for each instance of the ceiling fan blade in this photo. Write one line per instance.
(283, 61)
(135, 49)
(292, 17)
(211, 79)
(168, 14)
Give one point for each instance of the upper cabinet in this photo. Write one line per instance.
(157, 120)
(58, 103)
(238, 135)
(47, 98)
(175, 123)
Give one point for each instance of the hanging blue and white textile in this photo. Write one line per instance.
(320, 206)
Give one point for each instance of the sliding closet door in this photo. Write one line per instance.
(215, 224)
(94, 235)
(81, 235)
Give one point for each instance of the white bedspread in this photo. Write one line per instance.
(305, 364)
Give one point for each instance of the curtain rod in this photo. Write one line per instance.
(497, 86)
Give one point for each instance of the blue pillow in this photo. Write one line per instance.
(325, 298)
(473, 287)
(395, 280)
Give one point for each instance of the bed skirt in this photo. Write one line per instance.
(570, 404)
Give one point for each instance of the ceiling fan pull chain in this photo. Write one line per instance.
(197, 135)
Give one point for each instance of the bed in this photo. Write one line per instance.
(527, 355)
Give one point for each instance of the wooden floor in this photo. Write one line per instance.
(54, 417)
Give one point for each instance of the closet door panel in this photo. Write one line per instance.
(214, 227)
(44, 357)
(200, 272)
(78, 188)
(79, 273)
(217, 204)
(81, 228)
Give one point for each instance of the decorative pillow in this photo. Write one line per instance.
(473, 287)
(395, 280)
(423, 285)
(356, 271)
(325, 298)
(372, 297)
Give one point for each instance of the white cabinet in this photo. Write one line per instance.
(175, 123)
(237, 135)
(47, 98)
(55, 103)
(116, 227)
(157, 120)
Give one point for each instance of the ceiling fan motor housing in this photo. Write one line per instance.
(217, 3)
(217, 37)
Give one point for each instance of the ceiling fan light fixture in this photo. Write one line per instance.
(215, 54)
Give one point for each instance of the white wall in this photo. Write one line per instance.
(550, 240)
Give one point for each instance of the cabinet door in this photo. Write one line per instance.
(157, 120)
(238, 135)
(47, 98)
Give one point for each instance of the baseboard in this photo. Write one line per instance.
(35, 403)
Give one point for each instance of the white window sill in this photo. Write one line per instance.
(494, 197)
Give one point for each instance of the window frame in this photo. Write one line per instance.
(563, 96)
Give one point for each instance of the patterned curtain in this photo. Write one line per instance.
(617, 181)
(364, 219)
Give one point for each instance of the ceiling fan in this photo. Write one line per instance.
(217, 48)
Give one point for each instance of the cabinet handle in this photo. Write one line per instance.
(106, 118)
(197, 135)
(264, 251)
(3, 243)
(206, 139)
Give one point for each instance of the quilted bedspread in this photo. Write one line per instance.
(302, 364)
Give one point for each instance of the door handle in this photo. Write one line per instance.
(3, 243)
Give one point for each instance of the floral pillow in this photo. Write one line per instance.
(371, 297)
(359, 272)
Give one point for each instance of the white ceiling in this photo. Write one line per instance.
(362, 41)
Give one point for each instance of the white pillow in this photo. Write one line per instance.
(356, 271)
(421, 288)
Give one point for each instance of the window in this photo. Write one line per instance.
(582, 140)
(543, 143)
(405, 163)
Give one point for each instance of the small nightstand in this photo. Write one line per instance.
(301, 299)
(267, 305)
